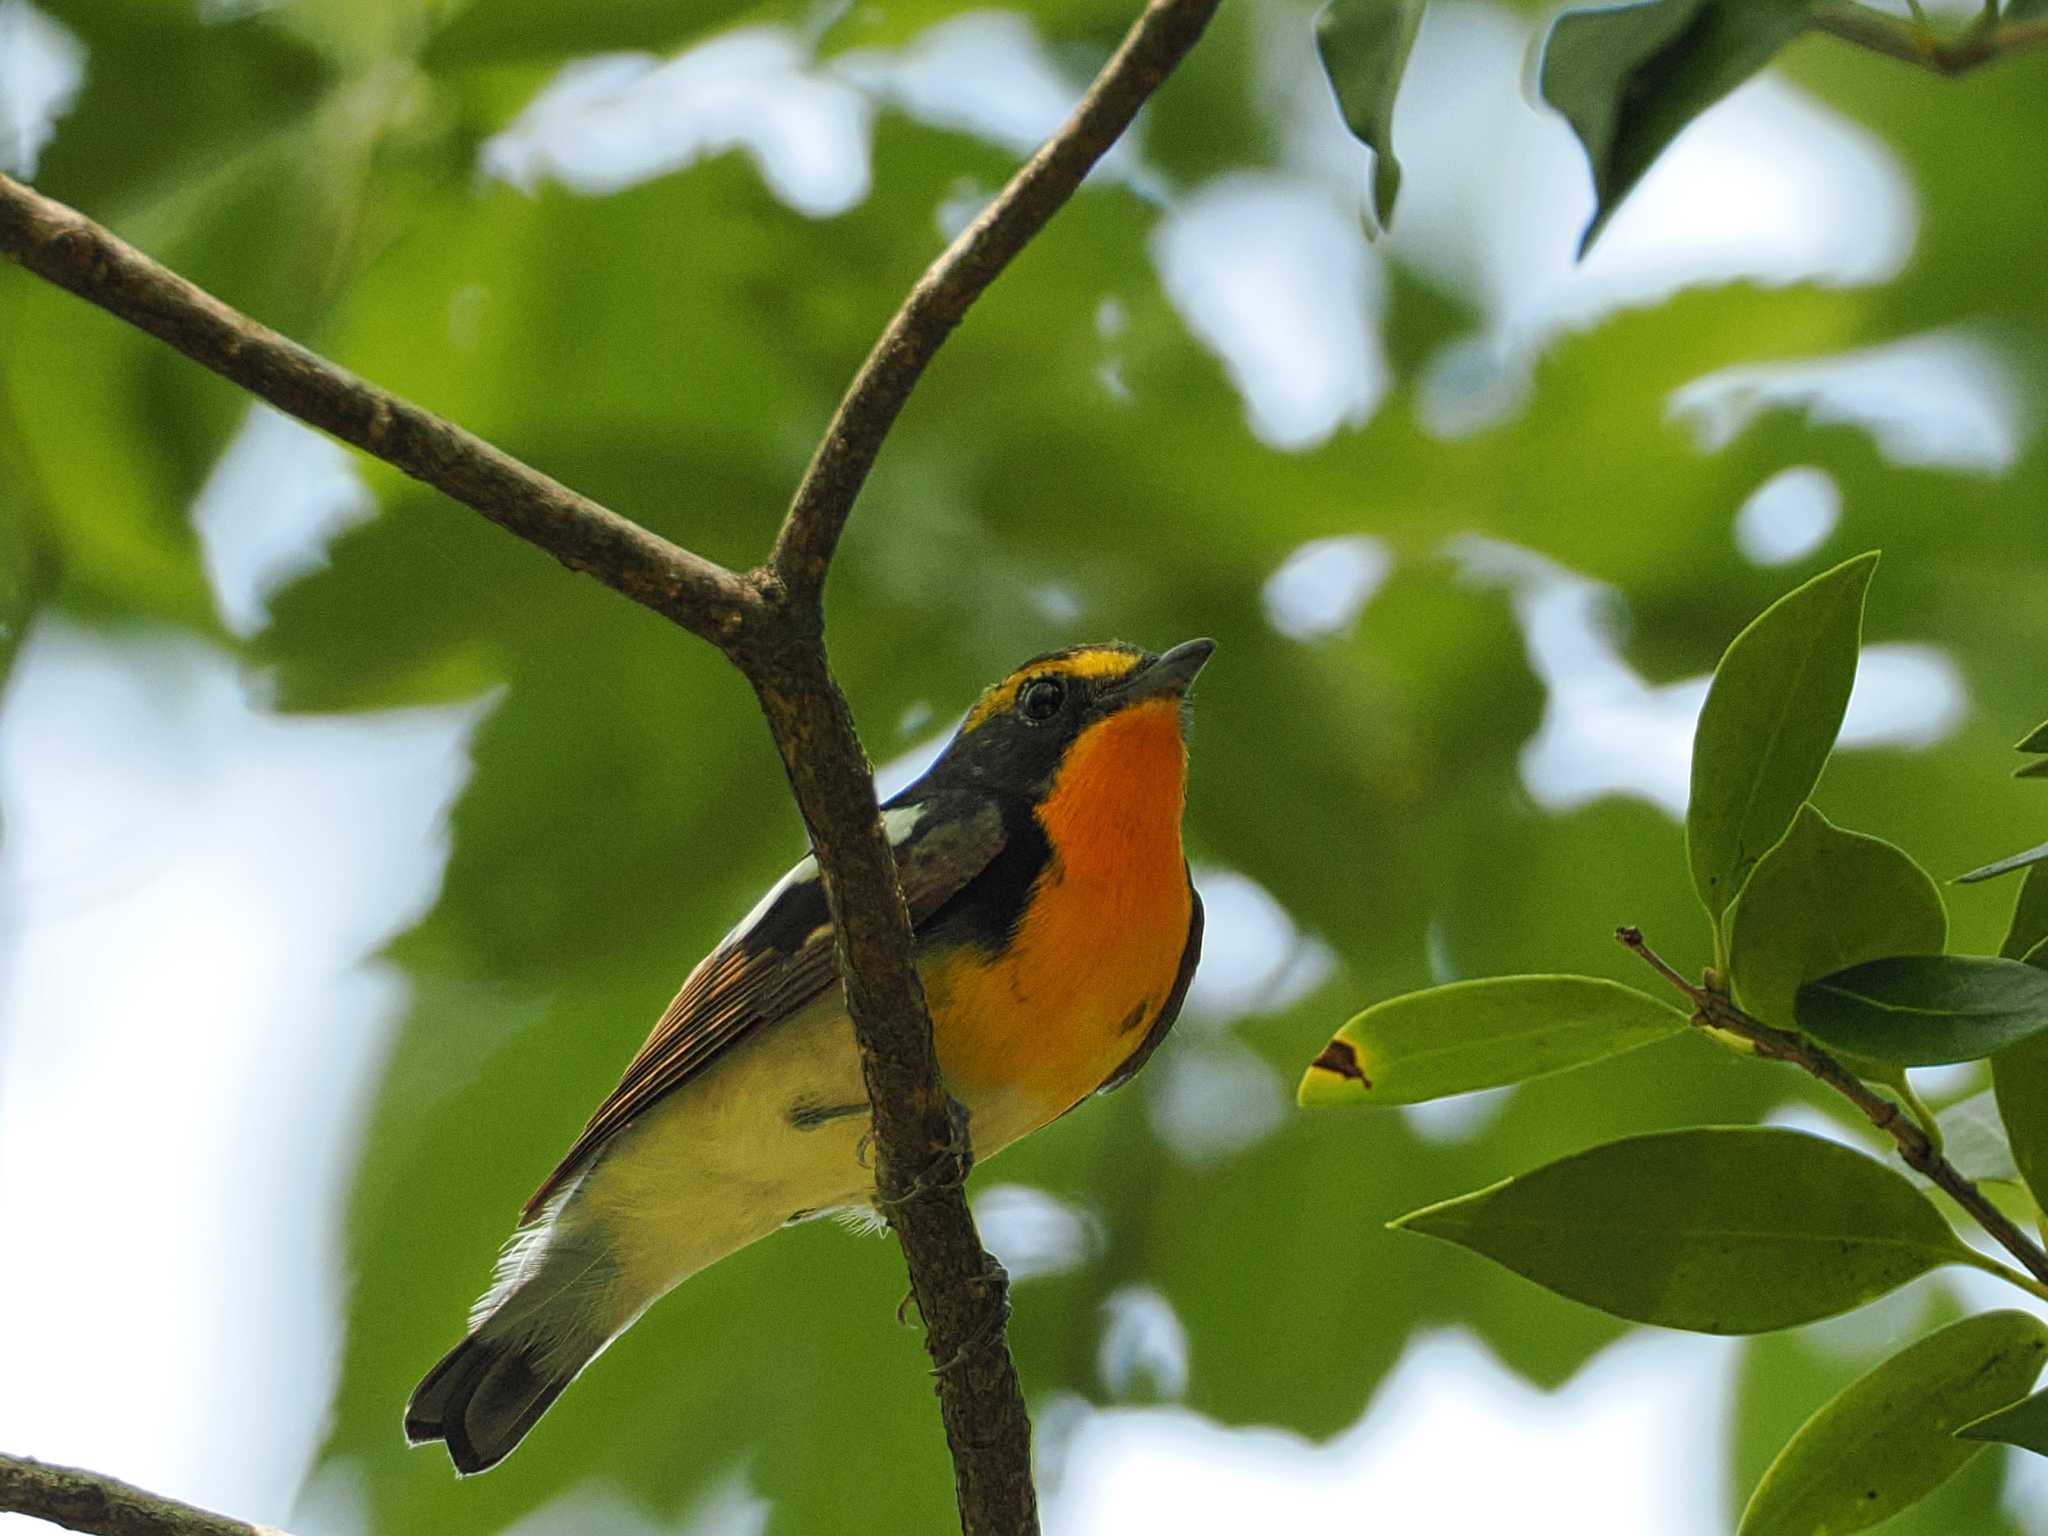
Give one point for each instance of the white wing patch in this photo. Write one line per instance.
(898, 822)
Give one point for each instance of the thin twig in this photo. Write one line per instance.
(1913, 42)
(769, 623)
(70, 250)
(1150, 50)
(89, 1501)
(1713, 1008)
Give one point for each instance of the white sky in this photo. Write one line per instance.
(189, 1029)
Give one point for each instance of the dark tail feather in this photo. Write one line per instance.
(482, 1398)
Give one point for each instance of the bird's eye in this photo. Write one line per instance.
(1042, 698)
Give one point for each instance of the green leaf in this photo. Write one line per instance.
(1629, 78)
(2024, 1424)
(1768, 724)
(2006, 866)
(2029, 924)
(2035, 740)
(1721, 1229)
(1926, 1010)
(1481, 1034)
(2038, 769)
(1364, 46)
(2019, 1075)
(1887, 1439)
(1821, 900)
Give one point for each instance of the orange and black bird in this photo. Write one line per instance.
(1056, 933)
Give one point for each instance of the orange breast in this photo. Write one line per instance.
(1025, 1038)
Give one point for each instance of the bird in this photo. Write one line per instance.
(1056, 929)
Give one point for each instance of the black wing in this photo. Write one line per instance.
(779, 958)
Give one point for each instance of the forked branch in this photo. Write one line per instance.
(770, 624)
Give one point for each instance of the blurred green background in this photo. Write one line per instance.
(1470, 526)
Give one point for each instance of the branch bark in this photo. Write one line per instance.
(1714, 1008)
(90, 1501)
(70, 250)
(770, 624)
(1160, 39)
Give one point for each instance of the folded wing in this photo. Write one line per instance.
(779, 958)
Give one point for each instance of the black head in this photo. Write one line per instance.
(1019, 730)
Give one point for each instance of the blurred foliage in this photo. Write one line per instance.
(674, 349)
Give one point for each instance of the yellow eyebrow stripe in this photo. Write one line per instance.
(1095, 663)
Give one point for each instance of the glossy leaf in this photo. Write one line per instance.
(1364, 46)
(2019, 1077)
(1888, 1439)
(1824, 899)
(1630, 78)
(1768, 724)
(1482, 1034)
(1926, 1010)
(1722, 1229)
(2032, 856)
(2024, 1424)
(2029, 925)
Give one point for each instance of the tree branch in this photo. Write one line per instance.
(1715, 1009)
(57, 243)
(89, 1501)
(770, 624)
(1160, 39)
(1912, 41)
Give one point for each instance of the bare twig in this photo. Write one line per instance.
(89, 1501)
(1713, 1008)
(1912, 41)
(57, 243)
(1158, 42)
(769, 623)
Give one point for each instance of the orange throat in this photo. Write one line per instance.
(1114, 812)
(1094, 959)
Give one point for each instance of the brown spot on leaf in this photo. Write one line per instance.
(1341, 1057)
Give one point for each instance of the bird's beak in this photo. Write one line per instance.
(1170, 675)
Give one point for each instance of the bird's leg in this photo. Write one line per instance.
(996, 1279)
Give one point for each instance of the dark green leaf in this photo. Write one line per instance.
(1629, 78)
(2035, 740)
(1768, 724)
(1926, 1010)
(2006, 866)
(1730, 1229)
(2024, 1424)
(1887, 1439)
(1364, 46)
(2034, 770)
(2029, 924)
(2019, 1075)
(1481, 1034)
(1819, 901)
